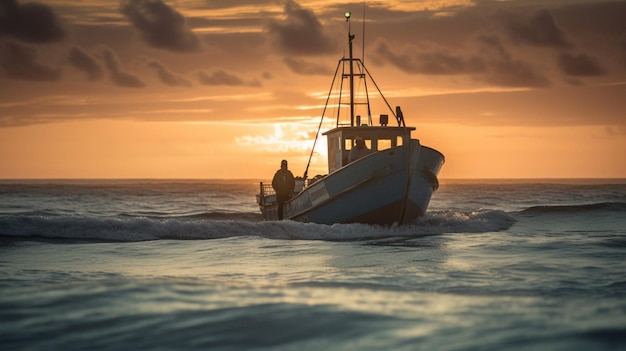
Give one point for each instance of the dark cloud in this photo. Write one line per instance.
(515, 73)
(21, 62)
(504, 70)
(222, 77)
(580, 65)
(443, 63)
(598, 18)
(301, 33)
(160, 25)
(117, 75)
(83, 61)
(615, 131)
(494, 65)
(540, 29)
(307, 68)
(168, 77)
(623, 51)
(412, 60)
(221, 4)
(30, 22)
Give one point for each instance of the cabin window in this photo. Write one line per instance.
(389, 142)
(349, 143)
(384, 144)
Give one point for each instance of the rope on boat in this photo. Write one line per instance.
(306, 171)
(381, 95)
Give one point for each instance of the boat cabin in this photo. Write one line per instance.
(377, 138)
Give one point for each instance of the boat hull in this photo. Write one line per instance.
(386, 187)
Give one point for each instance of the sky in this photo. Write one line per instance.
(228, 88)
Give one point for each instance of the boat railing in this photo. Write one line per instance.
(266, 195)
(310, 181)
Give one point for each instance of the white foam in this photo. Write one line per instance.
(141, 229)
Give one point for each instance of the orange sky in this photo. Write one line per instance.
(226, 89)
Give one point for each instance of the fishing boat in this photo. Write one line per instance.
(392, 184)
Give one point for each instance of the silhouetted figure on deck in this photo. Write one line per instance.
(359, 150)
(283, 183)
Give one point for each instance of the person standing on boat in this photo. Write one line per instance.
(283, 183)
(359, 150)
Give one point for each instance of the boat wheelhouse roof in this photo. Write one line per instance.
(369, 132)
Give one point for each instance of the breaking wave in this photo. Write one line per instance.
(224, 225)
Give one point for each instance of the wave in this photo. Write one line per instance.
(215, 215)
(576, 209)
(225, 225)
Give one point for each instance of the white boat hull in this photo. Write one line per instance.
(386, 187)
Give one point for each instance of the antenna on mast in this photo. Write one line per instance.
(363, 35)
(350, 38)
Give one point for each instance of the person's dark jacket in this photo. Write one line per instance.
(283, 183)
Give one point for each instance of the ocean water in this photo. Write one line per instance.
(190, 265)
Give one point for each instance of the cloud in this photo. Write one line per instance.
(301, 33)
(494, 65)
(615, 131)
(504, 70)
(30, 22)
(160, 25)
(117, 75)
(413, 60)
(221, 4)
(581, 18)
(168, 77)
(21, 62)
(83, 61)
(539, 29)
(623, 51)
(222, 77)
(307, 68)
(580, 65)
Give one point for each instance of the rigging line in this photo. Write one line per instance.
(367, 94)
(306, 171)
(381, 94)
(339, 103)
(362, 91)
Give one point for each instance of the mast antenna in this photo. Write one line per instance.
(363, 35)
(351, 59)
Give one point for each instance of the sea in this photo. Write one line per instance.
(190, 265)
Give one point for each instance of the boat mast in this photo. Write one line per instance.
(350, 37)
